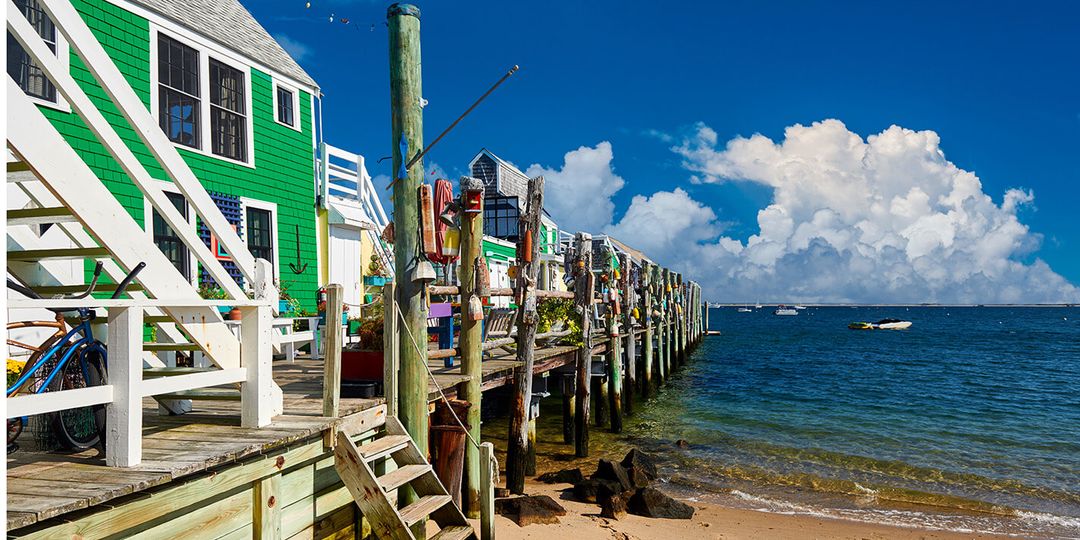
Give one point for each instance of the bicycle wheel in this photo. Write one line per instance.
(15, 425)
(80, 428)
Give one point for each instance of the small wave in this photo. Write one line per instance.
(1050, 519)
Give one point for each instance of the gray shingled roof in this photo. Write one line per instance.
(229, 23)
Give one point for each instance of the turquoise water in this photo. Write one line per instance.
(969, 420)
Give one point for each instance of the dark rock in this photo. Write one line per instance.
(653, 503)
(501, 492)
(614, 506)
(682, 443)
(565, 476)
(592, 489)
(640, 467)
(613, 472)
(530, 509)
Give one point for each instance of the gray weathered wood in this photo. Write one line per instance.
(471, 343)
(332, 338)
(583, 299)
(391, 368)
(528, 256)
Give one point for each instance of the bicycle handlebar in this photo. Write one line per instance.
(29, 293)
(127, 279)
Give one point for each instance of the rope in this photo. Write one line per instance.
(494, 462)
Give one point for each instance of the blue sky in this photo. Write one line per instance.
(997, 84)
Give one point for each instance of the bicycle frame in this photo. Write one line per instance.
(82, 345)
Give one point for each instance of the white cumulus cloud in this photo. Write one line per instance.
(882, 219)
(579, 194)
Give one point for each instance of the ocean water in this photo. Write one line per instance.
(967, 421)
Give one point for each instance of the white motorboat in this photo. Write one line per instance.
(883, 324)
(785, 310)
(800, 307)
(745, 309)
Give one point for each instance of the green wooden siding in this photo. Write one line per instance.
(499, 252)
(283, 157)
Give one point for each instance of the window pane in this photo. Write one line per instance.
(168, 241)
(179, 115)
(260, 237)
(228, 134)
(20, 66)
(285, 106)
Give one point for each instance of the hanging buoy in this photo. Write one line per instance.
(617, 274)
(476, 308)
(447, 234)
(526, 244)
(481, 278)
(512, 272)
(427, 221)
(636, 314)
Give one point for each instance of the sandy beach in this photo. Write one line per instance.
(583, 522)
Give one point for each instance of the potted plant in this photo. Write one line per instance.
(354, 325)
(213, 292)
(363, 360)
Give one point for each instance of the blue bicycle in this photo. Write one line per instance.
(50, 369)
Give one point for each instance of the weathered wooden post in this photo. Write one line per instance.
(614, 346)
(528, 258)
(568, 410)
(488, 468)
(665, 327)
(629, 303)
(470, 340)
(335, 295)
(406, 141)
(705, 330)
(647, 353)
(391, 339)
(583, 298)
(680, 320)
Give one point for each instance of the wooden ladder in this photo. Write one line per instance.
(376, 495)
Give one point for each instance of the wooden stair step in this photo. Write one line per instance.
(154, 372)
(39, 216)
(397, 478)
(383, 447)
(17, 166)
(204, 394)
(423, 507)
(170, 347)
(33, 255)
(454, 532)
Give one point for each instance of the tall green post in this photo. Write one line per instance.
(407, 140)
(470, 340)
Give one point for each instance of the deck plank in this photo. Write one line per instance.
(43, 485)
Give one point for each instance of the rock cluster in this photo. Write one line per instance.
(622, 487)
(530, 509)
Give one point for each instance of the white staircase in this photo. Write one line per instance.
(344, 175)
(60, 189)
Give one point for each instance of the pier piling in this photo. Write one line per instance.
(629, 303)
(583, 299)
(649, 322)
(470, 342)
(614, 346)
(528, 257)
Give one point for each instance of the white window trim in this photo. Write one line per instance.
(148, 225)
(275, 84)
(246, 203)
(205, 52)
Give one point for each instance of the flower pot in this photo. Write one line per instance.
(283, 306)
(224, 310)
(375, 281)
(234, 314)
(354, 327)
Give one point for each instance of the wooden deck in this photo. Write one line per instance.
(45, 485)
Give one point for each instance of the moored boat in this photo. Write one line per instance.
(785, 310)
(883, 324)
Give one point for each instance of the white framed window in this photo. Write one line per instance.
(165, 238)
(22, 68)
(287, 106)
(201, 97)
(260, 232)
